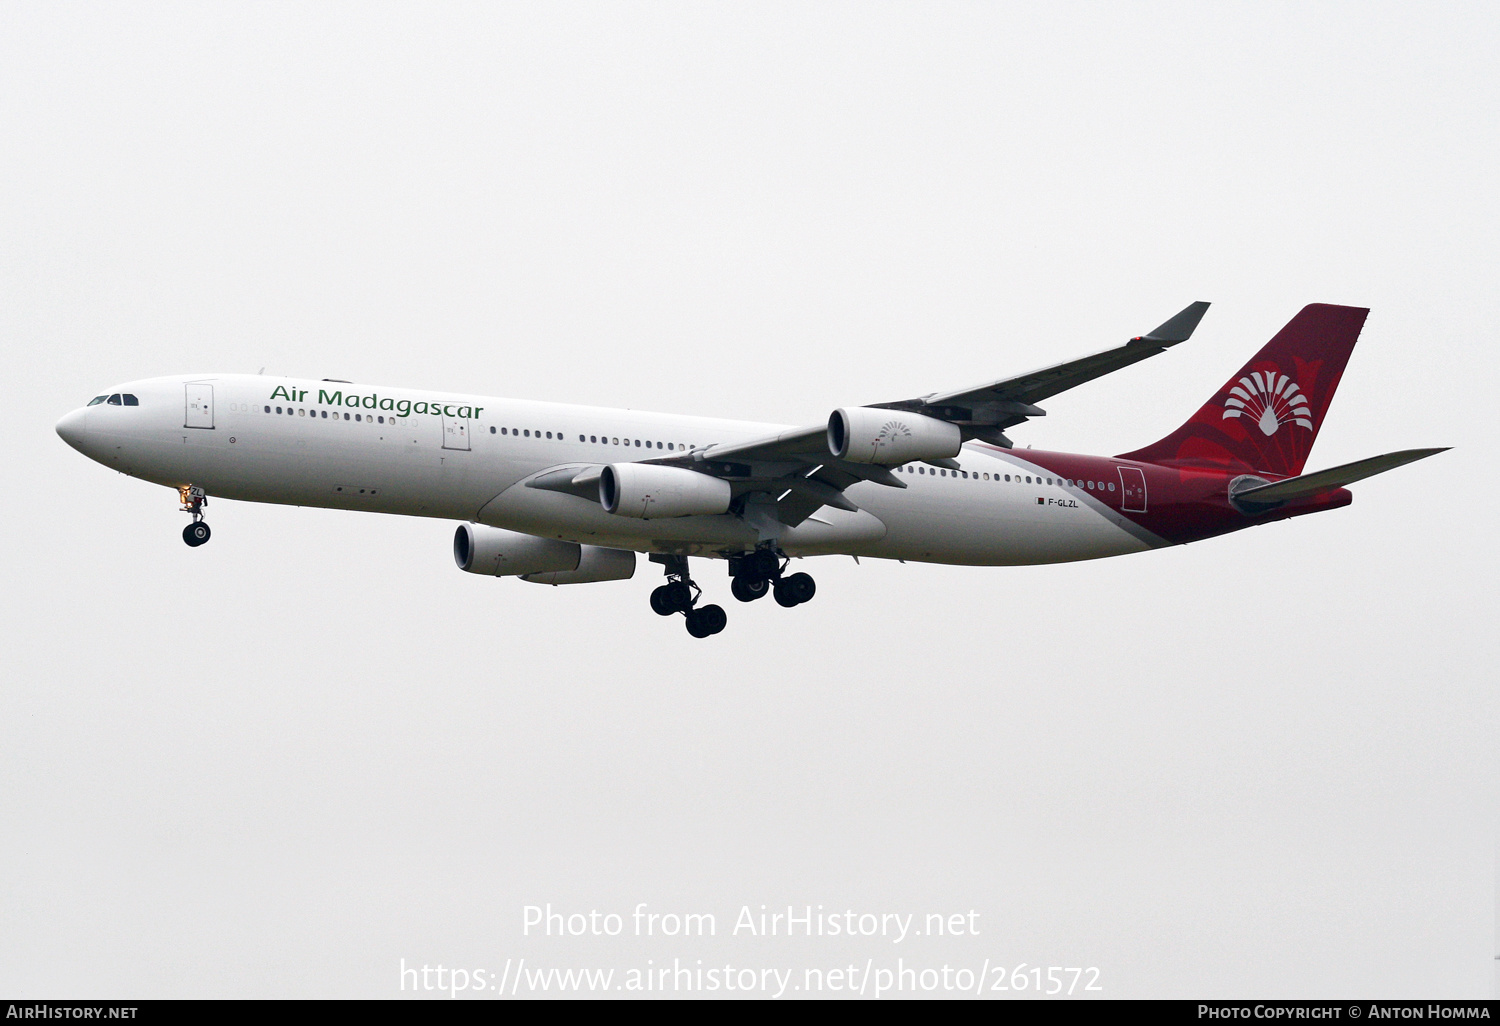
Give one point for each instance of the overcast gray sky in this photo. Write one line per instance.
(278, 765)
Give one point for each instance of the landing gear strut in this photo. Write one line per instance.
(193, 501)
(759, 573)
(681, 595)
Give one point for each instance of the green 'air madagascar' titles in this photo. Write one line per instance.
(401, 407)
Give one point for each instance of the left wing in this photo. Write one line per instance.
(797, 470)
(986, 411)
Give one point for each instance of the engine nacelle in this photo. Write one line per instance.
(863, 434)
(499, 553)
(649, 492)
(595, 563)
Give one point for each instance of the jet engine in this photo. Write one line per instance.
(648, 492)
(863, 434)
(495, 552)
(595, 563)
(499, 553)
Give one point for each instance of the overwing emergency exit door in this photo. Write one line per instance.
(198, 406)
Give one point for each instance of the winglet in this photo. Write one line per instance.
(1179, 328)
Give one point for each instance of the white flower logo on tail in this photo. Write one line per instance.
(1270, 400)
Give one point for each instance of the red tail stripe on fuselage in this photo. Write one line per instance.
(1183, 503)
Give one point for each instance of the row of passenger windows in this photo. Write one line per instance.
(296, 411)
(595, 439)
(1097, 486)
(293, 411)
(118, 399)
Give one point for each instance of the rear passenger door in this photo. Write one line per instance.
(1134, 484)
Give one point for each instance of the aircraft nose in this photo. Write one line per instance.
(73, 428)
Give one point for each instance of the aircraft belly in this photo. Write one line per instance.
(995, 533)
(830, 531)
(560, 515)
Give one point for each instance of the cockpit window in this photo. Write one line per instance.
(131, 400)
(114, 400)
(97, 400)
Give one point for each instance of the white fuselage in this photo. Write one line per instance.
(468, 458)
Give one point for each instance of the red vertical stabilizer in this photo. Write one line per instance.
(1267, 416)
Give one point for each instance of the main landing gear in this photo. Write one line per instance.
(756, 575)
(193, 501)
(762, 571)
(681, 595)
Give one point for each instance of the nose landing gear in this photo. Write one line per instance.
(681, 595)
(193, 501)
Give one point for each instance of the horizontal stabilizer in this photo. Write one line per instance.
(1309, 485)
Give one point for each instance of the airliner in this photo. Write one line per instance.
(558, 494)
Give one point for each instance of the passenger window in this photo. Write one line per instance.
(346, 416)
(131, 400)
(492, 429)
(1111, 486)
(669, 447)
(268, 409)
(278, 409)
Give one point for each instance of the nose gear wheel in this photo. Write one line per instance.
(193, 500)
